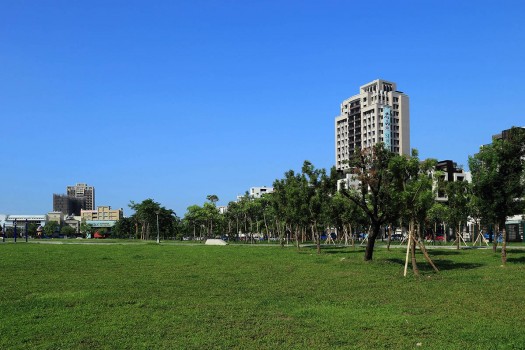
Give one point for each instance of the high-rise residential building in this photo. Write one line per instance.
(81, 190)
(379, 113)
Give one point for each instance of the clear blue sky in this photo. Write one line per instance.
(175, 100)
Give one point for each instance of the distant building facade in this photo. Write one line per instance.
(9, 220)
(82, 190)
(378, 114)
(258, 192)
(102, 213)
(68, 205)
(504, 135)
(56, 216)
(450, 172)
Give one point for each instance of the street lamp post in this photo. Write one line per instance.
(158, 232)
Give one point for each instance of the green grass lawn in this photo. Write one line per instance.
(148, 296)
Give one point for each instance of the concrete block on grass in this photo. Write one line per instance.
(215, 242)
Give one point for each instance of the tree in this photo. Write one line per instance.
(413, 196)
(346, 216)
(145, 218)
(498, 180)
(317, 192)
(458, 195)
(374, 194)
(437, 215)
(67, 230)
(85, 228)
(194, 217)
(51, 228)
(212, 198)
(291, 203)
(123, 228)
(211, 211)
(31, 228)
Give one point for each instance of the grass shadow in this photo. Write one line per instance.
(442, 265)
(339, 249)
(520, 260)
(515, 251)
(445, 265)
(336, 249)
(436, 252)
(343, 251)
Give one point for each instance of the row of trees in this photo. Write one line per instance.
(388, 191)
(391, 191)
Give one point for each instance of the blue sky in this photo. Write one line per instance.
(175, 100)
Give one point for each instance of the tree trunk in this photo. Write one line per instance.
(376, 230)
(504, 246)
(495, 238)
(434, 234)
(317, 237)
(266, 225)
(413, 250)
(237, 226)
(457, 236)
(425, 252)
(297, 237)
(389, 237)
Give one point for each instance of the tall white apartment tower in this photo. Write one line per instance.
(379, 113)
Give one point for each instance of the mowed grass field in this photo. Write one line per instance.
(149, 296)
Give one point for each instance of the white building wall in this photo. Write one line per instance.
(360, 123)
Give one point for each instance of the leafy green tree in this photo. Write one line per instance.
(67, 230)
(498, 180)
(413, 197)
(375, 194)
(347, 217)
(458, 198)
(437, 215)
(51, 227)
(267, 213)
(211, 214)
(291, 203)
(32, 228)
(145, 217)
(194, 218)
(85, 228)
(318, 191)
(123, 228)
(212, 198)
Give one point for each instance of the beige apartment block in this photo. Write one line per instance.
(378, 114)
(56, 216)
(102, 213)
